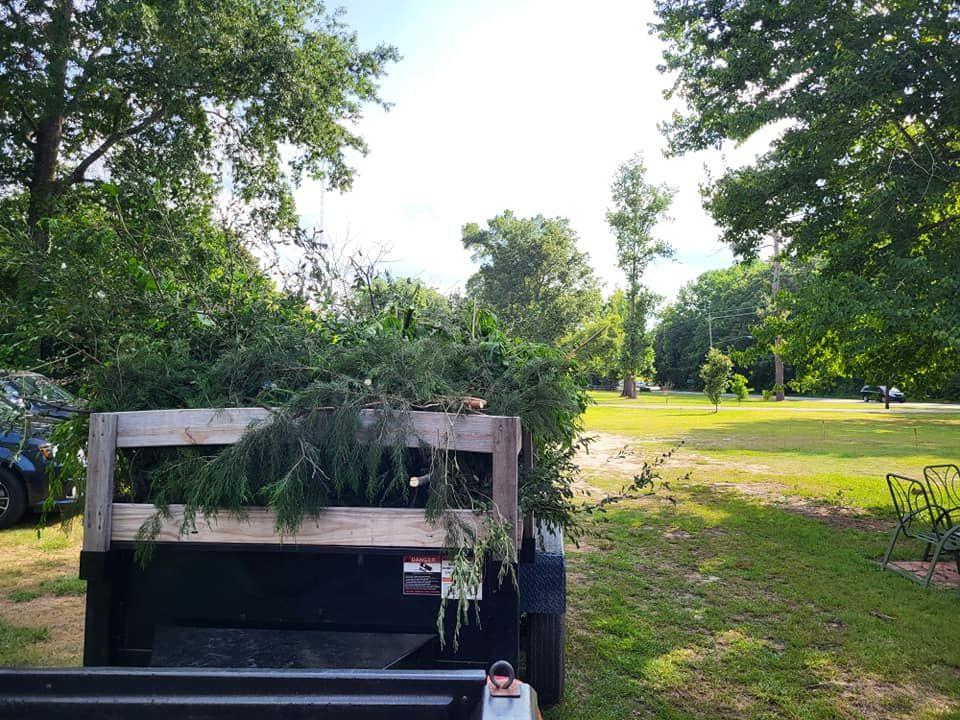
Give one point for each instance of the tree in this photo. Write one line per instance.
(739, 387)
(723, 308)
(532, 275)
(121, 282)
(173, 93)
(637, 207)
(715, 373)
(597, 344)
(864, 177)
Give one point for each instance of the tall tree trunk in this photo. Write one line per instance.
(44, 188)
(629, 381)
(775, 288)
(43, 183)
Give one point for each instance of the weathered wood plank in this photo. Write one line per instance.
(340, 526)
(102, 453)
(505, 472)
(160, 428)
(529, 462)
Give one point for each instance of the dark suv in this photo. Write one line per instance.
(30, 405)
(36, 395)
(875, 392)
(23, 476)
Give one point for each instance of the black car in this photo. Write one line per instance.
(876, 392)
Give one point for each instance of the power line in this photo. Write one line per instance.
(711, 317)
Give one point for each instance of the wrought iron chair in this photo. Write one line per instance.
(919, 519)
(943, 489)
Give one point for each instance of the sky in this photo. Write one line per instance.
(526, 105)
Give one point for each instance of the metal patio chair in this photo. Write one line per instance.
(943, 489)
(920, 519)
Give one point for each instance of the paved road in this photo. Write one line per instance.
(855, 406)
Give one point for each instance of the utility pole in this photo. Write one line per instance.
(775, 288)
(710, 327)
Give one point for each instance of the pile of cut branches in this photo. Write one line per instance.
(316, 381)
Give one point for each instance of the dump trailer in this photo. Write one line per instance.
(230, 619)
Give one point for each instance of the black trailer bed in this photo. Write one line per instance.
(308, 649)
(237, 694)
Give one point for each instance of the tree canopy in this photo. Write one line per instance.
(727, 306)
(127, 129)
(532, 275)
(597, 343)
(174, 94)
(716, 372)
(864, 177)
(638, 206)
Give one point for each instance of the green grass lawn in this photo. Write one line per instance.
(823, 454)
(751, 589)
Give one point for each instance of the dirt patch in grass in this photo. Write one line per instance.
(687, 458)
(63, 619)
(836, 516)
(871, 697)
(620, 457)
(617, 459)
(615, 454)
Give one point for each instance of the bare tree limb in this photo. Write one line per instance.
(111, 140)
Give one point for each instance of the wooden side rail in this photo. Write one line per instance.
(105, 520)
(341, 526)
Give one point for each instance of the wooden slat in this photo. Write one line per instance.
(102, 453)
(471, 433)
(160, 428)
(529, 462)
(505, 472)
(342, 526)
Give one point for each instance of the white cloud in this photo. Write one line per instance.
(523, 106)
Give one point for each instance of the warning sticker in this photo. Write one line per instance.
(447, 585)
(422, 574)
(431, 575)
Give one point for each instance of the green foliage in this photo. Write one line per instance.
(951, 390)
(137, 273)
(638, 207)
(715, 373)
(738, 386)
(407, 299)
(307, 456)
(306, 453)
(597, 344)
(531, 275)
(862, 180)
(174, 93)
(164, 287)
(732, 302)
